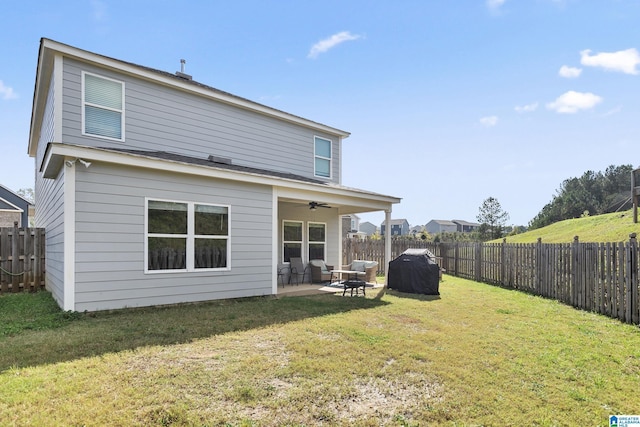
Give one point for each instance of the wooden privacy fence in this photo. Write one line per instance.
(373, 250)
(21, 259)
(599, 277)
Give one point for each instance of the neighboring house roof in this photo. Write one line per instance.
(12, 202)
(5, 189)
(48, 48)
(7, 206)
(442, 222)
(470, 224)
(368, 226)
(397, 221)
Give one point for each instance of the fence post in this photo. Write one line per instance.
(575, 248)
(15, 258)
(538, 267)
(631, 315)
(478, 263)
(456, 254)
(503, 262)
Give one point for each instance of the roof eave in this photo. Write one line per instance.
(43, 70)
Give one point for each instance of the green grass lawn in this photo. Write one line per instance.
(478, 355)
(612, 227)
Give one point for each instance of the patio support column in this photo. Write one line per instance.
(387, 244)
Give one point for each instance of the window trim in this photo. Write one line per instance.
(324, 242)
(293, 241)
(316, 156)
(84, 104)
(190, 236)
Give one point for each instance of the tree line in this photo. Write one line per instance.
(593, 193)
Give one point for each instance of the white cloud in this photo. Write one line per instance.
(624, 61)
(331, 42)
(527, 108)
(7, 92)
(612, 112)
(571, 102)
(99, 10)
(494, 5)
(489, 121)
(569, 72)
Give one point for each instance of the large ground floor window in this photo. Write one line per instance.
(186, 236)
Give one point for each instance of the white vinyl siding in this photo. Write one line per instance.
(162, 118)
(50, 207)
(322, 149)
(102, 107)
(186, 236)
(110, 233)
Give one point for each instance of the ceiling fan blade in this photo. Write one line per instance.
(314, 205)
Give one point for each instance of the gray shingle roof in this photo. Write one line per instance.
(164, 155)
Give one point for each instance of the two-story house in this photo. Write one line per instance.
(465, 226)
(436, 226)
(368, 228)
(156, 189)
(398, 227)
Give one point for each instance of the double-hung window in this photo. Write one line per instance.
(102, 107)
(317, 240)
(186, 236)
(291, 240)
(322, 150)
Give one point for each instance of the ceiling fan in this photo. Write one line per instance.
(314, 205)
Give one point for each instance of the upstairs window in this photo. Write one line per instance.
(102, 107)
(322, 157)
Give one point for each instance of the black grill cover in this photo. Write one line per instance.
(416, 272)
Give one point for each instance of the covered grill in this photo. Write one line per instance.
(415, 271)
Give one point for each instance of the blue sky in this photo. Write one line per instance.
(448, 103)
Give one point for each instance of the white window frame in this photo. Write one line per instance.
(284, 242)
(190, 236)
(316, 156)
(84, 104)
(324, 242)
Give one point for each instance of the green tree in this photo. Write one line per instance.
(493, 217)
(27, 193)
(594, 192)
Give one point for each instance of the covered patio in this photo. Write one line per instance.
(317, 288)
(309, 227)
